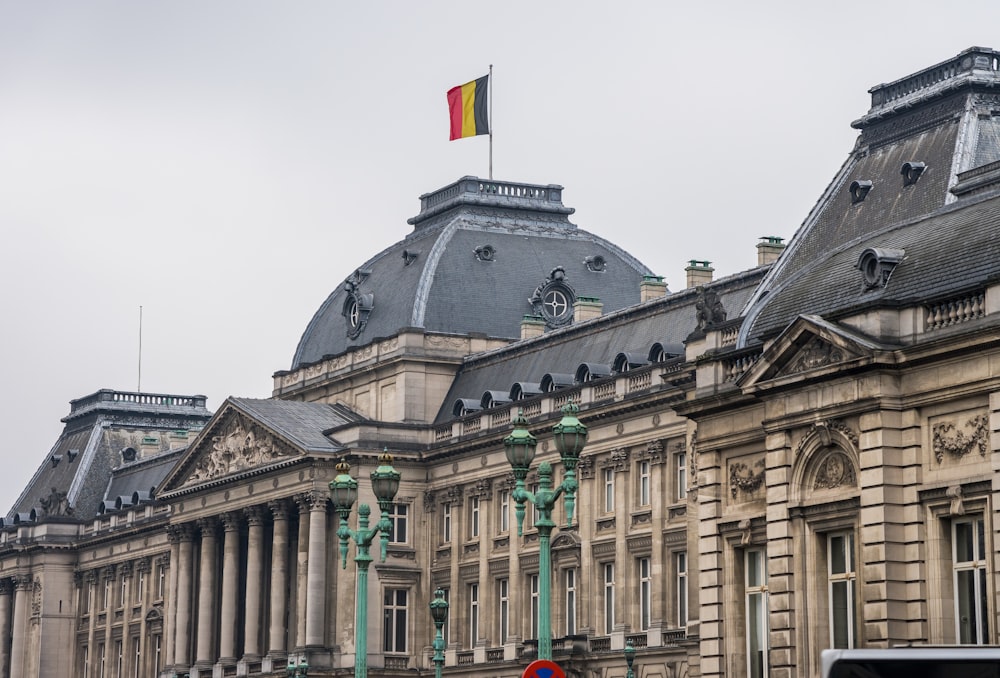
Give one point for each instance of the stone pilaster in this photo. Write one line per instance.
(19, 642)
(302, 571)
(316, 577)
(230, 580)
(255, 572)
(183, 536)
(6, 603)
(780, 553)
(711, 577)
(277, 646)
(205, 649)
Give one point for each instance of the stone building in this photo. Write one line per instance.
(795, 457)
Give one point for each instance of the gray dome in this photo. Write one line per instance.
(482, 255)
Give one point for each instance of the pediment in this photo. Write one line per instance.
(233, 443)
(809, 347)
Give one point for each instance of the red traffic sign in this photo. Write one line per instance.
(543, 668)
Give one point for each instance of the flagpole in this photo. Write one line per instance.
(491, 122)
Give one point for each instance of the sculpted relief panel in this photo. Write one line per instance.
(956, 437)
(240, 444)
(746, 479)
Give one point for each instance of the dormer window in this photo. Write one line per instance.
(486, 253)
(911, 171)
(596, 263)
(859, 190)
(877, 264)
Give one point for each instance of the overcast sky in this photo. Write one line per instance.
(225, 165)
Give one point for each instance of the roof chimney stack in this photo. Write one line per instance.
(769, 249)
(652, 287)
(585, 308)
(532, 326)
(699, 273)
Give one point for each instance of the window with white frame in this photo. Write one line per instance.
(680, 462)
(136, 658)
(503, 598)
(533, 588)
(446, 630)
(968, 540)
(473, 614)
(106, 594)
(123, 590)
(681, 573)
(608, 572)
(140, 586)
(570, 602)
(645, 593)
(119, 659)
(446, 523)
(609, 490)
(85, 660)
(841, 589)
(532, 516)
(394, 620)
(398, 515)
(161, 580)
(643, 483)
(101, 661)
(504, 511)
(755, 588)
(474, 517)
(157, 654)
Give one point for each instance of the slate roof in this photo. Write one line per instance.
(947, 253)
(669, 320)
(300, 423)
(942, 117)
(442, 285)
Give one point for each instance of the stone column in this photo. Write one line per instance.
(316, 578)
(184, 535)
(22, 599)
(205, 655)
(6, 589)
(90, 581)
(230, 582)
(255, 571)
(276, 644)
(170, 603)
(301, 571)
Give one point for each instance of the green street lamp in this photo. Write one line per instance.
(344, 492)
(629, 658)
(296, 670)
(439, 613)
(569, 436)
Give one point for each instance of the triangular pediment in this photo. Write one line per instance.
(809, 347)
(233, 443)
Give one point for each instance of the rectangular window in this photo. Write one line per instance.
(643, 483)
(682, 473)
(397, 518)
(609, 597)
(570, 602)
(85, 592)
(503, 594)
(609, 490)
(123, 591)
(755, 585)
(446, 523)
(446, 629)
(645, 593)
(101, 659)
(473, 614)
(136, 658)
(161, 580)
(119, 659)
(682, 588)
(157, 654)
(140, 587)
(968, 541)
(533, 588)
(532, 511)
(842, 594)
(106, 594)
(85, 661)
(474, 517)
(504, 510)
(394, 621)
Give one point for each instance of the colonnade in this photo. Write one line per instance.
(234, 598)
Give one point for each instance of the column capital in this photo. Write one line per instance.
(23, 582)
(163, 560)
(279, 509)
(209, 527)
(125, 568)
(180, 532)
(231, 521)
(90, 576)
(6, 586)
(142, 565)
(254, 515)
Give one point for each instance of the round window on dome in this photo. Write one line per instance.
(555, 304)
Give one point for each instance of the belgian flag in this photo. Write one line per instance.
(467, 109)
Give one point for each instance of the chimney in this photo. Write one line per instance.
(652, 287)
(150, 445)
(769, 249)
(585, 308)
(699, 273)
(532, 326)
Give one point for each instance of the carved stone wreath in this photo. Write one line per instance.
(835, 471)
(743, 478)
(958, 443)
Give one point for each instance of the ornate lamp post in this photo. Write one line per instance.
(344, 492)
(519, 446)
(629, 658)
(439, 613)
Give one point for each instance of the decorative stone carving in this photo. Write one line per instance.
(279, 509)
(56, 504)
(835, 471)
(618, 460)
(36, 597)
(6, 587)
(816, 353)
(429, 501)
(585, 467)
(481, 488)
(957, 444)
(209, 527)
(746, 534)
(744, 478)
(453, 495)
(254, 515)
(708, 309)
(653, 452)
(241, 444)
(824, 430)
(957, 507)
(509, 482)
